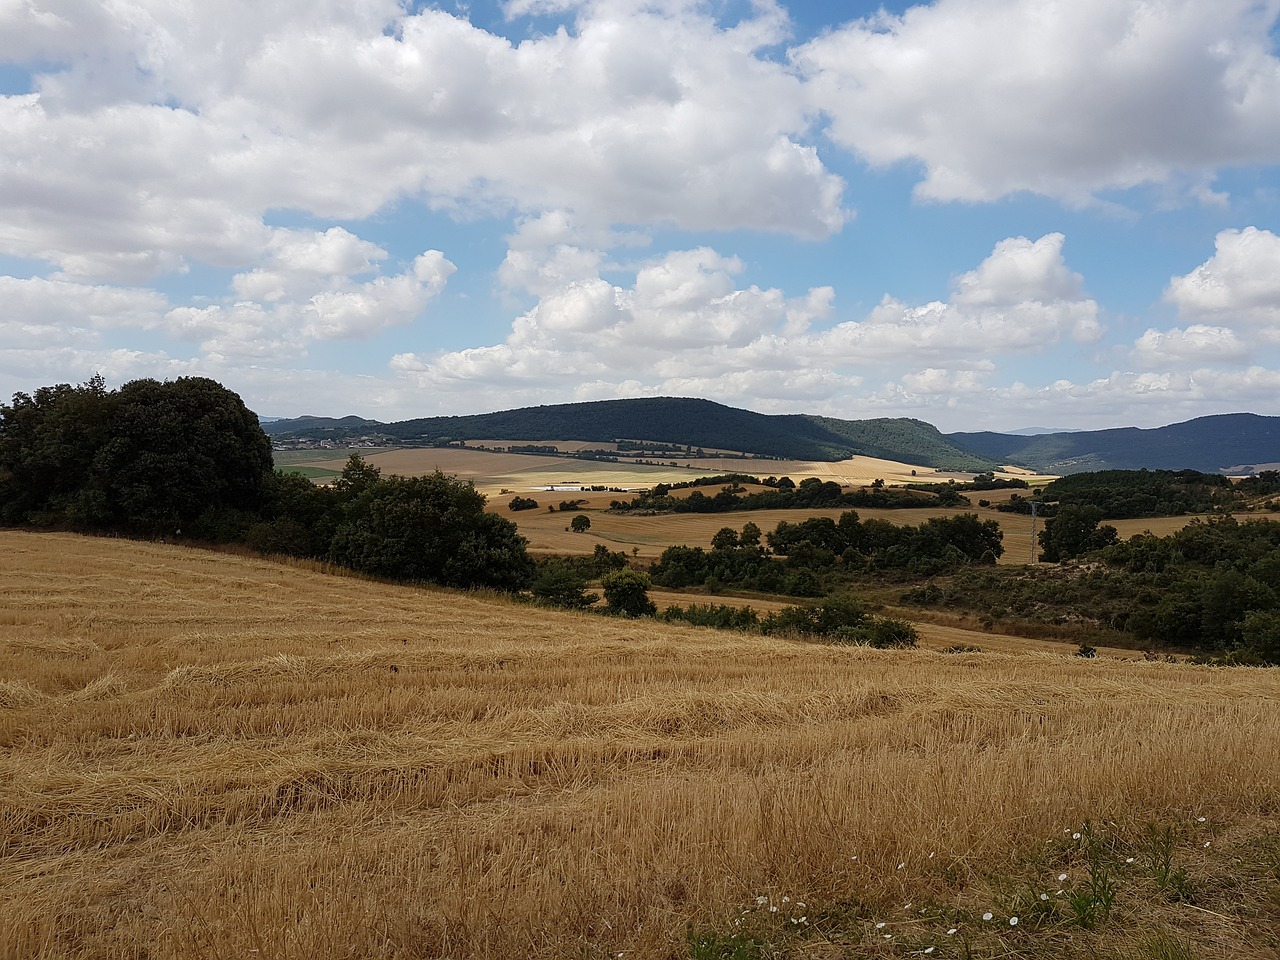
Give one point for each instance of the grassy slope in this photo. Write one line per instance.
(206, 756)
(699, 423)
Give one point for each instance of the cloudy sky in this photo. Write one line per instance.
(987, 214)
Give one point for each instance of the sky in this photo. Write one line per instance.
(984, 214)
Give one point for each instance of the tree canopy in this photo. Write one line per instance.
(149, 458)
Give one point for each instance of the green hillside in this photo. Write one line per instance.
(1208, 444)
(682, 421)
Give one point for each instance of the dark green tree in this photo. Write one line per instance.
(1073, 532)
(149, 458)
(431, 528)
(48, 444)
(1261, 629)
(626, 594)
(558, 584)
(185, 454)
(580, 524)
(726, 538)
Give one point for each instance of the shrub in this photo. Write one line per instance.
(559, 585)
(626, 594)
(824, 619)
(721, 616)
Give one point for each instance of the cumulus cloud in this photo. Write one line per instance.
(687, 325)
(163, 134)
(1238, 286)
(1197, 344)
(1065, 98)
(1021, 299)
(301, 301)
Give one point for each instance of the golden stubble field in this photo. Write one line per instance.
(529, 473)
(645, 537)
(205, 755)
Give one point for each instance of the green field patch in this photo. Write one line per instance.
(312, 473)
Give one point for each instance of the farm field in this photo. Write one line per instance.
(207, 755)
(523, 473)
(647, 536)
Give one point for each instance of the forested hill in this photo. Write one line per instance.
(683, 421)
(1208, 444)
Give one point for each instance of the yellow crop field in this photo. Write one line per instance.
(206, 755)
(524, 473)
(647, 536)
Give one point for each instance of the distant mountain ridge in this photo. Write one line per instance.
(1209, 444)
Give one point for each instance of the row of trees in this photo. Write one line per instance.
(819, 552)
(1131, 494)
(811, 493)
(1212, 588)
(187, 458)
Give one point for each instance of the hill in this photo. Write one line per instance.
(217, 756)
(1209, 444)
(672, 420)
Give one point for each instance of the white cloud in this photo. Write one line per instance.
(1021, 299)
(167, 132)
(687, 326)
(57, 304)
(292, 313)
(1195, 345)
(298, 260)
(1065, 98)
(366, 309)
(936, 381)
(1238, 287)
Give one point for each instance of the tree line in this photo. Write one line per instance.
(812, 493)
(187, 459)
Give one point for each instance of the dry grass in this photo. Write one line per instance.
(211, 756)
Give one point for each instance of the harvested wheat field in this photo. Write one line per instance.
(647, 535)
(492, 471)
(207, 755)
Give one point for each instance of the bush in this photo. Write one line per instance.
(883, 633)
(721, 616)
(825, 619)
(559, 585)
(626, 594)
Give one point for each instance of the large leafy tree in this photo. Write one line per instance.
(431, 528)
(181, 453)
(149, 458)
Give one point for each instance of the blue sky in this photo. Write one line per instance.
(987, 214)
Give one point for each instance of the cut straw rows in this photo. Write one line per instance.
(323, 767)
